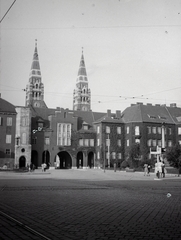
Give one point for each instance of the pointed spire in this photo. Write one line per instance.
(82, 69)
(35, 64)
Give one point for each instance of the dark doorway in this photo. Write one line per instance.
(22, 162)
(65, 160)
(79, 160)
(46, 158)
(34, 158)
(91, 160)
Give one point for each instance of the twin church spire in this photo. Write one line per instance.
(82, 94)
(35, 87)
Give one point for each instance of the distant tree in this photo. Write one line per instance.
(134, 155)
(124, 164)
(173, 156)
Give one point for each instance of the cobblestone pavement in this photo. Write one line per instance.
(67, 205)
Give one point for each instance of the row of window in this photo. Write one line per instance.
(86, 142)
(108, 130)
(150, 130)
(158, 130)
(113, 155)
(108, 142)
(155, 142)
(63, 134)
(9, 121)
(23, 139)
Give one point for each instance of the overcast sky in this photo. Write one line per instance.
(132, 50)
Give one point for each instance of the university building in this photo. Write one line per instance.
(80, 138)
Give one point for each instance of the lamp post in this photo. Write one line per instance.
(108, 146)
(163, 137)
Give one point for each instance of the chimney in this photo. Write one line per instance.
(118, 114)
(149, 104)
(173, 105)
(109, 113)
(139, 103)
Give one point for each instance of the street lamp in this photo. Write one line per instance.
(108, 146)
(163, 137)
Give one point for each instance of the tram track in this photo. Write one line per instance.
(24, 226)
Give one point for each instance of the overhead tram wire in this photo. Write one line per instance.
(98, 27)
(124, 98)
(7, 11)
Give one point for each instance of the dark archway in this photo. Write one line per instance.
(46, 158)
(65, 160)
(91, 160)
(22, 162)
(80, 160)
(34, 158)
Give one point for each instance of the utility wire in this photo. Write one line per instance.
(7, 11)
(97, 27)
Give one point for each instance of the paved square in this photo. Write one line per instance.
(90, 204)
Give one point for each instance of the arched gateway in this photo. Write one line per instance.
(91, 160)
(65, 160)
(22, 162)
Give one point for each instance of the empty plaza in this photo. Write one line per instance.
(89, 204)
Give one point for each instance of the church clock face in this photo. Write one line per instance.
(84, 108)
(36, 104)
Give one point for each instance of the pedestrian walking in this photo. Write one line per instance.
(145, 169)
(114, 167)
(163, 169)
(43, 167)
(31, 166)
(158, 168)
(149, 167)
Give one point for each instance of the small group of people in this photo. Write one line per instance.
(160, 169)
(45, 166)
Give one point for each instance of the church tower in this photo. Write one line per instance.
(82, 94)
(35, 87)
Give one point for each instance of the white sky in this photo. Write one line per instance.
(132, 48)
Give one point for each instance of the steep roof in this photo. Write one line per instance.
(147, 113)
(6, 107)
(175, 114)
(109, 119)
(87, 116)
(42, 112)
(132, 114)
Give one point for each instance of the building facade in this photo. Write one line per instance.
(7, 133)
(150, 126)
(81, 138)
(23, 137)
